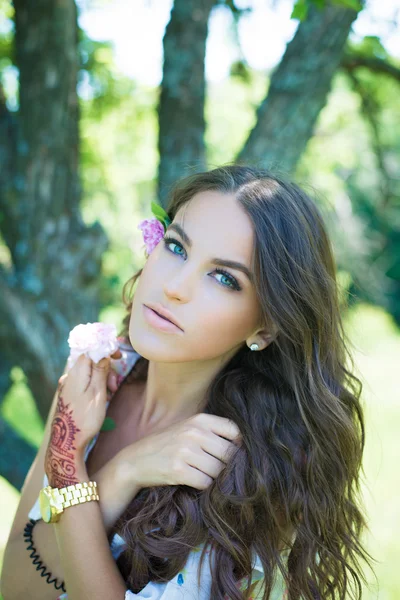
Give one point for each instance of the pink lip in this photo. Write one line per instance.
(153, 319)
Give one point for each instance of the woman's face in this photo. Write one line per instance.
(216, 318)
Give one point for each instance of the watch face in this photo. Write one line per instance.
(44, 503)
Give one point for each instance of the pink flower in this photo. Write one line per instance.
(153, 232)
(96, 340)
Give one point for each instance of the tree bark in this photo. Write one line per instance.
(298, 90)
(181, 105)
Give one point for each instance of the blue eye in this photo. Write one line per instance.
(234, 285)
(168, 241)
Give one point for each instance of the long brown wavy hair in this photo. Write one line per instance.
(293, 487)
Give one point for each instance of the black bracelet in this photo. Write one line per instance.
(36, 559)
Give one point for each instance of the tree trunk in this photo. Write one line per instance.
(181, 106)
(298, 90)
(51, 283)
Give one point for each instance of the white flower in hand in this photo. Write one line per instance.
(96, 340)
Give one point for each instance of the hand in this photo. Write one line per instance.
(191, 452)
(79, 414)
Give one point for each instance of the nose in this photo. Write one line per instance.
(178, 284)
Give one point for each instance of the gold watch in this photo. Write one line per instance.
(53, 501)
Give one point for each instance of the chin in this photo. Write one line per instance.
(155, 348)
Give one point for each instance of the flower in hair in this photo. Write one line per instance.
(153, 229)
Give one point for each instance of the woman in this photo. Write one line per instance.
(256, 360)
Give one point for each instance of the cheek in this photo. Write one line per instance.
(222, 328)
(149, 276)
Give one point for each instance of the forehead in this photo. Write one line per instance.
(220, 220)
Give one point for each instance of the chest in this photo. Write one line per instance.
(123, 409)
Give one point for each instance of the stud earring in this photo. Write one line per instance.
(254, 347)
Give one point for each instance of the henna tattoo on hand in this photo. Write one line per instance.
(60, 461)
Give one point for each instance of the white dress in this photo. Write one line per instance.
(184, 585)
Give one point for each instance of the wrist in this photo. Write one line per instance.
(128, 471)
(77, 473)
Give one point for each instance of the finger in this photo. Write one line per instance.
(112, 380)
(197, 479)
(61, 382)
(63, 378)
(205, 462)
(117, 354)
(99, 373)
(102, 366)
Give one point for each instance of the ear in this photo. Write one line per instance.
(263, 337)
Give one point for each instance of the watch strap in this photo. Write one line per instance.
(76, 493)
(58, 499)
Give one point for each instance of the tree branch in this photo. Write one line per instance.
(350, 62)
(369, 110)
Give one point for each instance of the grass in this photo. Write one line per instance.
(376, 350)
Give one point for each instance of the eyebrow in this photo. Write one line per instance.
(223, 262)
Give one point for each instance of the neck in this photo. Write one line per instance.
(175, 391)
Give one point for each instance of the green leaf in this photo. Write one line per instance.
(300, 10)
(159, 212)
(108, 424)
